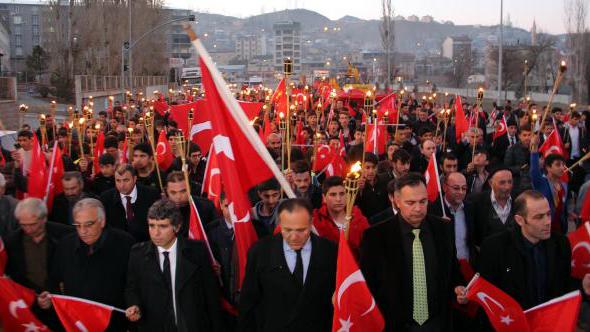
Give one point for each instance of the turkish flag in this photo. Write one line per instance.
(164, 155)
(432, 179)
(161, 106)
(342, 149)
(81, 315)
(56, 171)
(123, 153)
(212, 180)
(299, 134)
(328, 161)
(376, 138)
(552, 144)
(251, 109)
(501, 128)
(354, 305)
(98, 151)
(461, 124)
(199, 131)
(580, 244)
(504, 313)
(241, 155)
(559, 314)
(387, 108)
(15, 304)
(3, 257)
(37, 176)
(279, 98)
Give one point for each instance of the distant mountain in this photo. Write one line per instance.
(413, 37)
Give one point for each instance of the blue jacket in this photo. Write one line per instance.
(541, 184)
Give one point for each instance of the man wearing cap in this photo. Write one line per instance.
(491, 210)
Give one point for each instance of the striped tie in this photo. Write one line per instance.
(420, 312)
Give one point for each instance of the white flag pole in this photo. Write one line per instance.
(236, 111)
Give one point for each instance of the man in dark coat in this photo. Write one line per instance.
(290, 277)
(73, 191)
(529, 262)
(177, 193)
(91, 264)
(126, 205)
(408, 254)
(170, 283)
(36, 234)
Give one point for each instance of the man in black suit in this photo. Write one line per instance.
(290, 277)
(92, 263)
(409, 263)
(529, 262)
(177, 193)
(73, 191)
(170, 283)
(31, 250)
(127, 204)
(455, 190)
(491, 210)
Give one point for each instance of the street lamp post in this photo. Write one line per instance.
(129, 45)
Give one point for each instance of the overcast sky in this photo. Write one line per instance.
(549, 14)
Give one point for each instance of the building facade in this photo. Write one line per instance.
(287, 44)
(25, 30)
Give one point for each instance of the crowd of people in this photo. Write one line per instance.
(118, 231)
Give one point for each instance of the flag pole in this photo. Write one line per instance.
(48, 187)
(440, 193)
(237, 113)
(479, 101)
(149, 125)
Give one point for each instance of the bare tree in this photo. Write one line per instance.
(387, 29)
(85, 37)
(576, 13)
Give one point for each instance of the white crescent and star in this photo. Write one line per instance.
(18, 304)
(81, 327)
(582, 244)
(483, 297)
(222, 145)
(353, 278)
(234, 217)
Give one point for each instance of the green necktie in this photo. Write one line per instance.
(420, 312)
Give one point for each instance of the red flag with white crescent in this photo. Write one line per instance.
(212, 180)
(580, 244)
(504, 313)
(354, 305)
(461, 123)
(432, 179)
(98, 151)
(15, 308)
(501, 128)
(81, 315)
(164, 155)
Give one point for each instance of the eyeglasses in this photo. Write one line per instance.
(86, 224)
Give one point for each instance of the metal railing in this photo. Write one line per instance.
(92, 83)
(8, 90)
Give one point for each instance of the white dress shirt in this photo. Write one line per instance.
(502, 212)
(574, 133)
(172, 257)
(291, 256)
(460, 230)
(133, 195)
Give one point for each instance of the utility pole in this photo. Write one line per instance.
(500, 51)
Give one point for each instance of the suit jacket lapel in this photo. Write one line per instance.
(153, 264)
(185, 267)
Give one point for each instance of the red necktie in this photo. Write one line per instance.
(129, 209)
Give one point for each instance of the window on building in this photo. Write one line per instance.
(36, 40)
(18, 41)
(18, 30)
(35, 29)
(35, 19)
(17, 19)
(18, 51)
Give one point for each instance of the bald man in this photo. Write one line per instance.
(455, 190)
